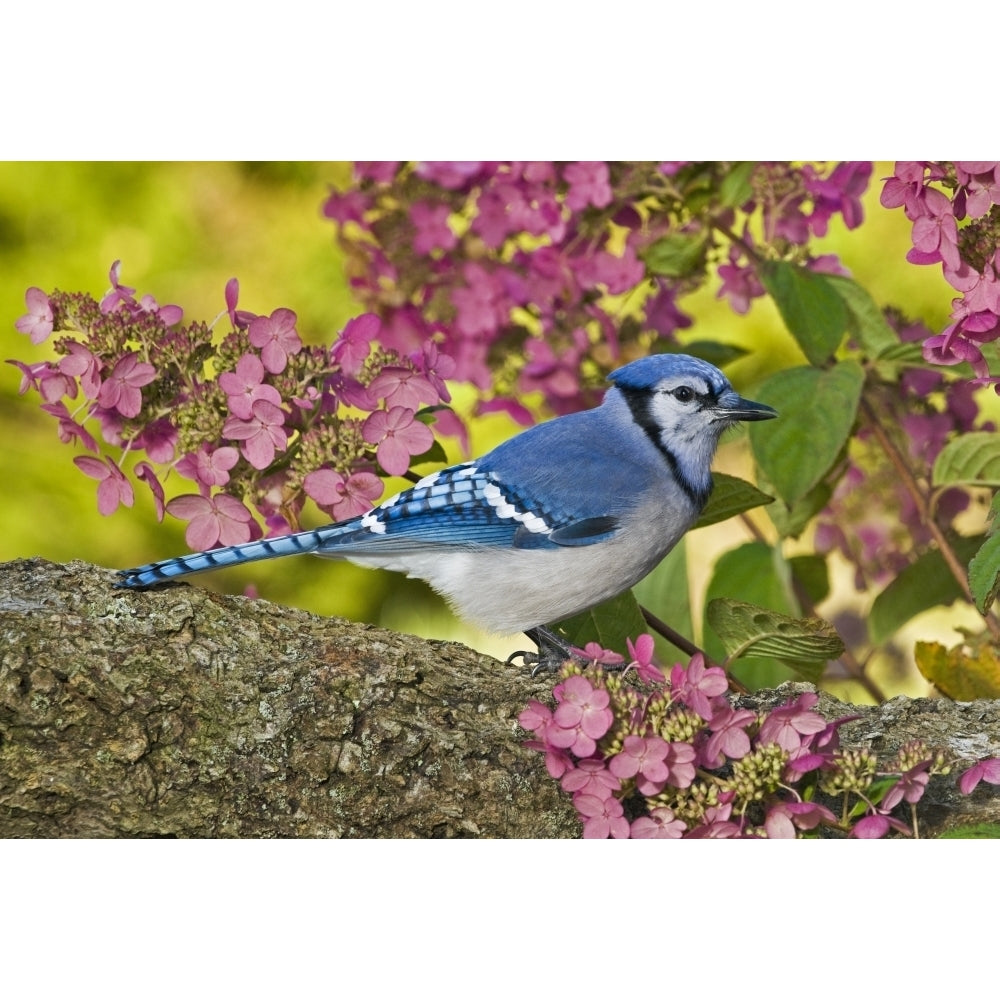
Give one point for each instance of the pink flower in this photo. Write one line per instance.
(158, 440)
(583, 705)
(455, 175)
(787, 724)
(784, 817)
(209, 468)
(276, 338)
(480, 304)
(120, 390)
(30, 375)
(37, 322)
(555, 372)
(244, 387)
(262, 435)
(398, 436)
(697, 685)
(935, 234)
(740, 283)
(147, 474)
(114, 488)
(840, 192)
(601, 817)
(910, 786)
(876, 825)
(432, 229)
(949, 348)
(660, 824)
(51, 382)
(379, 171)
(594, 654)
(581, 718)
(617, 274)
(354, 343)
(69, 429)
(642, 659)
(436, 367)
(240, 318)
(343, 498)
(82, 364)
(117, 294)
(535, 717)
(168, 315)
(906, 188)
(654, 763)
(986, 770)
(400, 386)
(662, 314)
(588, 185)
(218, 520)
(346, 206)
(729, 737)
(590, 777)
(495, 211)
(644, 757)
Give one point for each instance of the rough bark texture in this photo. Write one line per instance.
(180, 712)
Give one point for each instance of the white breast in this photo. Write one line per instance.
(510, 590)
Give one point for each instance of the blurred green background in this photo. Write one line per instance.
(182, 230)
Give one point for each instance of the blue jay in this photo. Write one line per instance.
(561, 517)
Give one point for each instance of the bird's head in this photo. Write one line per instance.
(684, 404)
(684, 395)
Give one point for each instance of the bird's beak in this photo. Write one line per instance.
(732, 406)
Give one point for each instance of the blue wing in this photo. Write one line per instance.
(465, 506)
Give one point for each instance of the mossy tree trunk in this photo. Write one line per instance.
(180, 712)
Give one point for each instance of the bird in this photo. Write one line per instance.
(563, 516)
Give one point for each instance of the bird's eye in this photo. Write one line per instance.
(684, 394)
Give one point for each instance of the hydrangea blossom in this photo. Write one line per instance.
(254, 418)
(628, 752)
(529, 262)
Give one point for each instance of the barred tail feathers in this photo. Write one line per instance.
(231, 555)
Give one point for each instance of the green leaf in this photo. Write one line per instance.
(750, 573)
(960, 673)
(984, 574)
(927, 583)
(734, 188)
(609, 624)
(676, 255)
(813, 574)
(713, 351)
(749, 630)
(435, 453)
(811, 307)
(972, 831)
(865, 320)
(971, 459)
(730, 496)
(816, 412)
(792, 520)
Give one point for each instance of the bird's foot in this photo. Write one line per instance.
(553, 651)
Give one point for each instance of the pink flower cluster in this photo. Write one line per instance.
(542, 276)
(937, 196)
(794, 205)
(872, 519)
(280, 422)
(674, 759)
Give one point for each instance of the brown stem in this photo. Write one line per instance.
(685, 645)
(924, 510)
(850, 662)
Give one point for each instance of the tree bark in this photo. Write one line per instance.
(179, 712)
